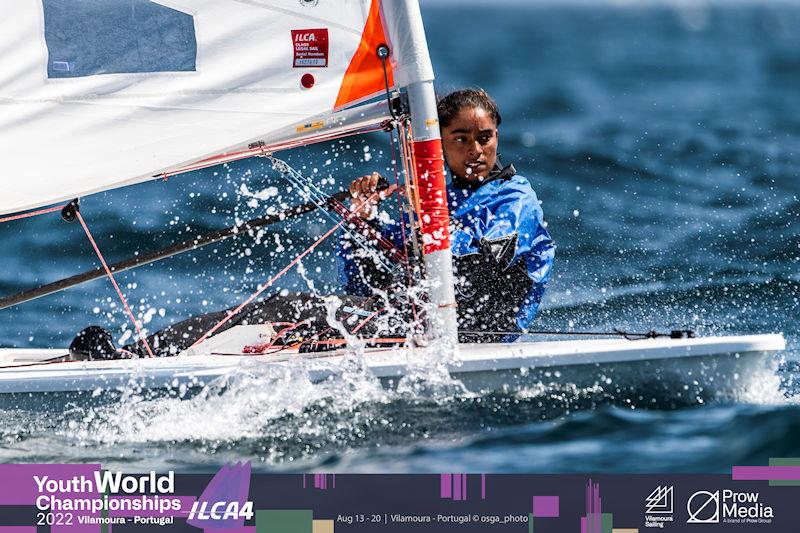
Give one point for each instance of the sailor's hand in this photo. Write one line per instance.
(362, 189)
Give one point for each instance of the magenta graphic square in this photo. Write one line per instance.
(545, 506)
(766, 473)
(446, 486)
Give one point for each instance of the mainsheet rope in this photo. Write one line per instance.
(322, 200)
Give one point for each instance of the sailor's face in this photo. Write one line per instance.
(470, 144)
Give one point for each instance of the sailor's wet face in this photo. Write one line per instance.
(470, 143)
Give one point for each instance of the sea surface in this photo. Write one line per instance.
(664, 143)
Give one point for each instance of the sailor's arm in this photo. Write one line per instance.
(361, 190)
(359, 272)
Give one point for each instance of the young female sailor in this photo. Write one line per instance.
(502, 253)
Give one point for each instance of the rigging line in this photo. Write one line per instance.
(313, 193)
(652, 334)
(399, 201)
(363, 228)
(408, 169)
(164, 253)
(368, 319)
(402, 212)
(32, 214)
(274, 278)
(404, 129)
(114, 282)
(327, 330)
(383, 54)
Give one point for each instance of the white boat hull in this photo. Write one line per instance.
(714, 367)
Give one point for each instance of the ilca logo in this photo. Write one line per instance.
(703, 507)
(658, 507)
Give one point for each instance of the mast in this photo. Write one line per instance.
(413, 70)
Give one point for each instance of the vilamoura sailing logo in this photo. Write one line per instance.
(658, 507)
(660, 500)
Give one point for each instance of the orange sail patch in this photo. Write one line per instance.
(364, 76)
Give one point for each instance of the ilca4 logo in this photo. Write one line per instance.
(221, 510)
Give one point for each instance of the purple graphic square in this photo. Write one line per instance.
(457, 487)
(19, 488)
(446, 486)
(766, 473)
(17, 529)
(545, 506)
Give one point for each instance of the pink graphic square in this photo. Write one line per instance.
(545, 506)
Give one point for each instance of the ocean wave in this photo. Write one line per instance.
(609, 439)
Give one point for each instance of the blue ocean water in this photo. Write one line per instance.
(664, 142)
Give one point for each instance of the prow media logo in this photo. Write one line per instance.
(703, 507)
(728, 507)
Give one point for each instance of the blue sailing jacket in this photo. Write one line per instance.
(502, 255)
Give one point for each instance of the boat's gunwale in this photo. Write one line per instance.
(540, 353)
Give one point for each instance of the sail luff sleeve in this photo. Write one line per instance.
(409, 54)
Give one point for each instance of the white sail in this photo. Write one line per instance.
(97, 94)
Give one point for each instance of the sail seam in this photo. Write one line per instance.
(304, 17)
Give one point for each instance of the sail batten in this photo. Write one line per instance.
(80, 113)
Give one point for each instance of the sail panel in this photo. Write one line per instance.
(260, 67)
(365, 75)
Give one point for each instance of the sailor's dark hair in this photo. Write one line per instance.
(449, 105)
